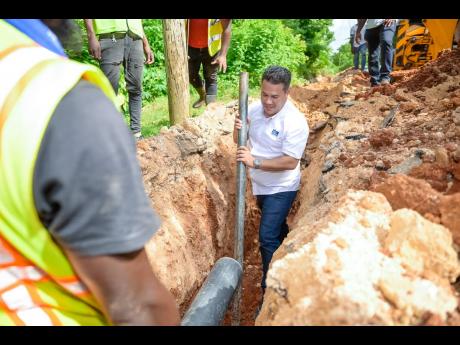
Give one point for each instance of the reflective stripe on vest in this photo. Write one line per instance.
(215, 30)
(36, 278)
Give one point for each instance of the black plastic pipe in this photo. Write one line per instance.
(210, 304)
(240, 192)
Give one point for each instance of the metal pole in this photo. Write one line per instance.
(240, 195)
(211, 302)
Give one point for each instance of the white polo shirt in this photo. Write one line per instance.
(269, 137)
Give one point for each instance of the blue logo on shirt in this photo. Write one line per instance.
(275, 132)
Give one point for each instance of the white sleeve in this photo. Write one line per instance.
(296, 137)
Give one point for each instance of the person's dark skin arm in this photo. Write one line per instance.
(221, 58)
(243, 154)
(127, 289)
(94, 46)
(149, 57)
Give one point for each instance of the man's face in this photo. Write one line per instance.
(273, 97)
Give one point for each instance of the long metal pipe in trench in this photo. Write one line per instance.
(240, 193)
(211, 302)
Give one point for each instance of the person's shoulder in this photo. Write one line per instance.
(295, 115)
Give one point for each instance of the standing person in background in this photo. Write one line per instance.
(379, 34)
(359, 50)
(208, 42)
(117, 41)
(74, 214)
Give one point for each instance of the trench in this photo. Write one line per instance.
(195, 195)
(213, 228)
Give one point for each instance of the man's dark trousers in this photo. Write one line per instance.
(380, 37)
(198, 57)
(273, 227)
(130, 52)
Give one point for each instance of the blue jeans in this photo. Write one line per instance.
(273, 227)
(380, 37)
(360, 52)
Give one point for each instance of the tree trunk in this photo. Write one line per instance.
(176, 62)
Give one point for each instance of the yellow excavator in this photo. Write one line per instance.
(421, 40)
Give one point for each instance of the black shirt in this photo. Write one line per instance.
(88, 187)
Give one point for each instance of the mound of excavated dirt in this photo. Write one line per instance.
(366, 265)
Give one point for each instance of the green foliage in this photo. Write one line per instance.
(302, 45)
(343, 58)
(257, 44)
(317, 35)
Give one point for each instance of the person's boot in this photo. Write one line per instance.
(210, 99)
(202, 93)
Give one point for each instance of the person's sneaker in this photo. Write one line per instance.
(385, 82)
(138, 136)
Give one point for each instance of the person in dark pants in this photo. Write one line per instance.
(278, 134)
(208, 43)
(379, 36)
(122, 41)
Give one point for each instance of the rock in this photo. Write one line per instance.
(319, 125)
(347, 104)
(389, 117)
(399, 96)
(306, 159)
(455, 101)
(343, 275)
(423, 247)
(408, 106)
(404, 191)
(189, 143)
(343, 157)
(456, 119)
(355, 136)
(328, 166)
(369, 156)
(406, 166)
(456, 155)
(382, 137)
(379, 165)
(441, 156)
(450, 214)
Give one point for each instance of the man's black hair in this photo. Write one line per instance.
(278, 75)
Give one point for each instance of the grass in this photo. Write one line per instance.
(156, 115)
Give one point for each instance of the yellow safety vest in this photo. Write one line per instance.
(108, 26)
(215, 30)
(38, 285)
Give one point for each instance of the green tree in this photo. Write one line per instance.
(259, 43)
(343, 58)
(317, 35)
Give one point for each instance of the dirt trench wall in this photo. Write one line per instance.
(191, 182)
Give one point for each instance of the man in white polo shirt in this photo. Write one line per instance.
(277, 137)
